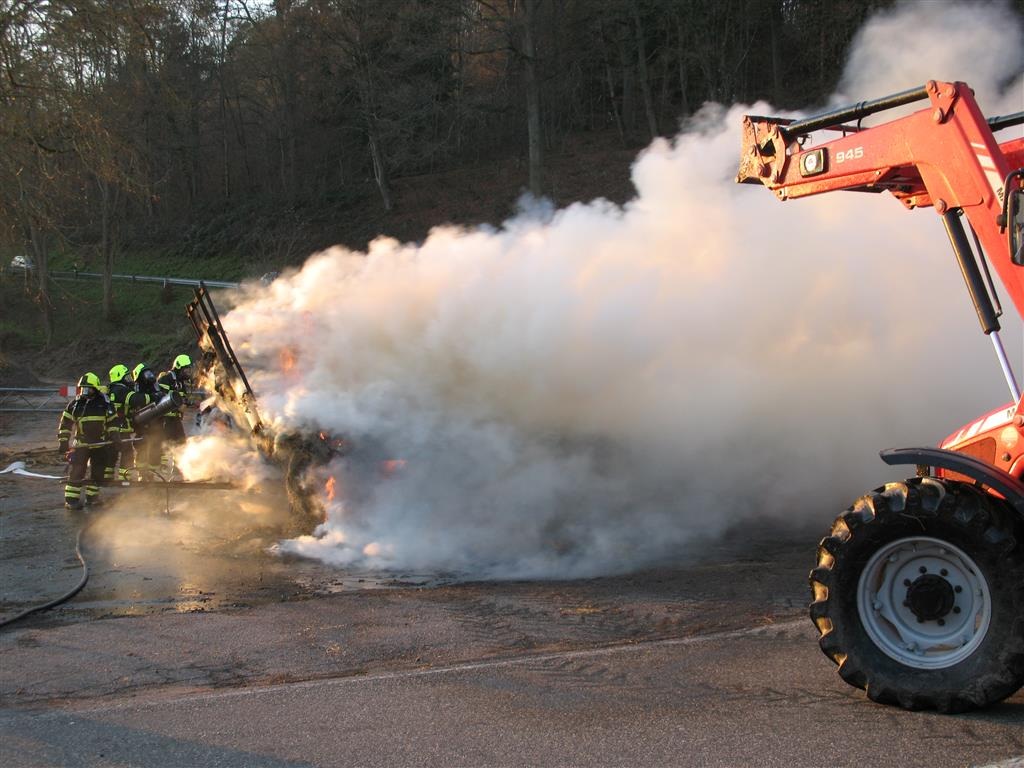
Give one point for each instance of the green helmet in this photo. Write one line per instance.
(138, 369)
(89, 384)
(117, 373)
(181, 361)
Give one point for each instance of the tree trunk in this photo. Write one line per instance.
(225, 156)
(40, 257)
(108, 247)
(533, 115)
(628, 86)
(641, 71)
(610, 81)
(684, 102)
(614, 102)
(776, 46)
(380, 172)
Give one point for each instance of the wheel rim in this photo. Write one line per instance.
(924, 602)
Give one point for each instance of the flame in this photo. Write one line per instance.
(329, 488)
(287, 359)
(391, 466)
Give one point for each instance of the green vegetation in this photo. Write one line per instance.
(148, 324)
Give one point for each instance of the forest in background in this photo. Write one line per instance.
(203, 128)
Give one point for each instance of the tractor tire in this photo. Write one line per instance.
(918, 596)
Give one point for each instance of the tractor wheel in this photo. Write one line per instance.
(919, 596)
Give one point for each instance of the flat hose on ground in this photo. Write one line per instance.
(67, 595)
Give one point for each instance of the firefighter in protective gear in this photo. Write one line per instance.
(178, 379)
(149, 436)
(122, 455)
(86, 421)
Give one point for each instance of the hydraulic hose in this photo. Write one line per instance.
(67, 595)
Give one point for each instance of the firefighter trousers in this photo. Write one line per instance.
(174, 435)
(120, 458)
(147, 450)
(85, 460)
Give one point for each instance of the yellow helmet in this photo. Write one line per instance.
(145, 377)
(181, 361)
(89, 384)
(117, 373)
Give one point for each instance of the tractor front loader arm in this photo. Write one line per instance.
(944, 156)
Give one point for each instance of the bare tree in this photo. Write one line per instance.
(641, 69)
(215, 125)
(528, 24)
(33, 154)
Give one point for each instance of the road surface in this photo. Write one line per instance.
(192, 646)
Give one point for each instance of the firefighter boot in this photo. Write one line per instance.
(72, 498)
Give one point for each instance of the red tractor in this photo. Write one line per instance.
(918, 592)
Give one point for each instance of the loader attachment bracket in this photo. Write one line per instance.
(981, 472)
(763, 157)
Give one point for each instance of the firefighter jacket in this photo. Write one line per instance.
(118, 396)
(90, 421)
(169, 381)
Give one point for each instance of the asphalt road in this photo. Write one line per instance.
(192, 646)
(747, 697)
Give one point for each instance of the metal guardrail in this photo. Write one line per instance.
(159, 280)
(75, 275)
(34, 399)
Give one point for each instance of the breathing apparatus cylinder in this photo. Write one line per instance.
(169, 402)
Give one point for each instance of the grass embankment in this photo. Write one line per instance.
(148, 322)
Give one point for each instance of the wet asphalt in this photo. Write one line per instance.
(191, 646)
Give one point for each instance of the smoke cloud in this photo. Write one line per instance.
(979, 43)
(584, 391)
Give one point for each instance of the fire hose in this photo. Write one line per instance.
(18, 468)
(167, 403)
(67, 595)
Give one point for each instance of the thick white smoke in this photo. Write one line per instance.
(583, 391)
(979, 43)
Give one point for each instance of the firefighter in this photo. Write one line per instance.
(149, 437)
(89, 417)
(177, 380)
(121, 453)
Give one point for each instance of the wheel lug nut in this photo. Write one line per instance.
(944, 572)
(956, 609)
(942, 622)
(958, 589)
(922, 569)
(906, 582)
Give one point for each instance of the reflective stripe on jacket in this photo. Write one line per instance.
(88, 419)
